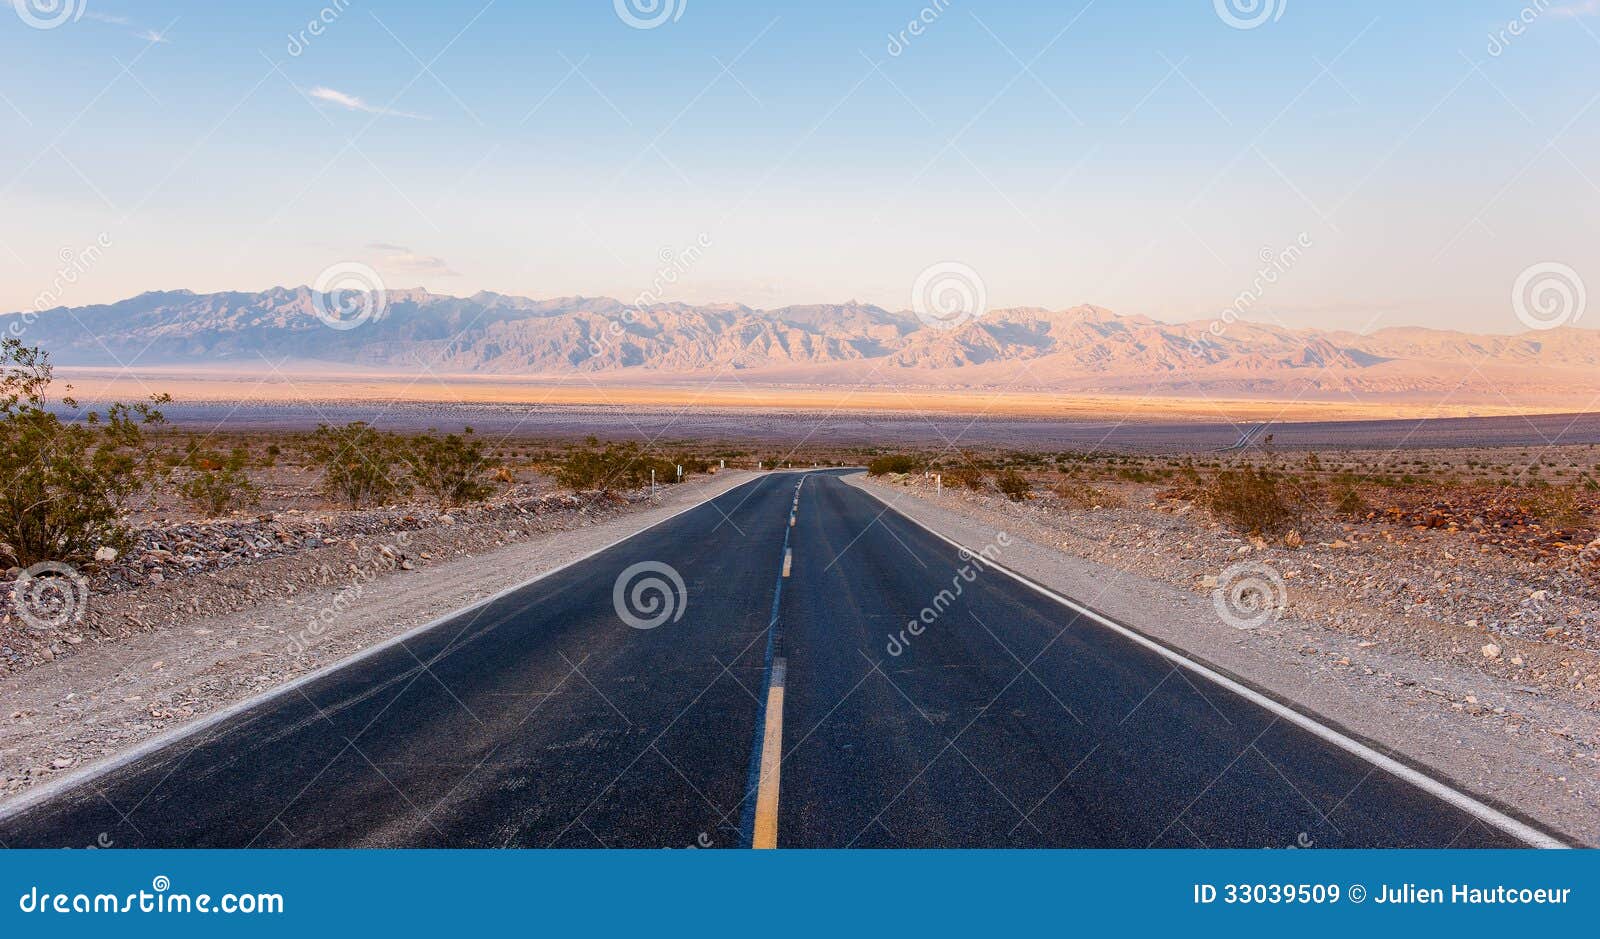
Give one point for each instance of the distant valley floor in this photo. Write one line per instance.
(869, 415)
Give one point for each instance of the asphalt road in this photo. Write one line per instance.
(543, 719)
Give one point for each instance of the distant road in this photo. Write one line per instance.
(542, 719)
(790, 428)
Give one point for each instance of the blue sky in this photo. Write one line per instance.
(1140, 156)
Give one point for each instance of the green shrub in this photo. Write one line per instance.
(593, 467)
(66, 482)
(217, 483)
(894, 463)
(448, 469)
(359, 464)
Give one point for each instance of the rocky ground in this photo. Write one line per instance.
(198, 616)
(1474, 649)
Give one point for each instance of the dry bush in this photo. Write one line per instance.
(1255, 501)
(1080, 495)
(1013, 484)
(1348, 501)
(1557, 507)
(965, 476)
(894, 463)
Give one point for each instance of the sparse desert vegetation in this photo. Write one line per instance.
(1504, 543)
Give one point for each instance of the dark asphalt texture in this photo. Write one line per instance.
(543, 720)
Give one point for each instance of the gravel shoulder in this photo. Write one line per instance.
(1523, 734)
(162, 653)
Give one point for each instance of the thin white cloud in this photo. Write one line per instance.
(402, 260)
(353, 103)
(1574, 10)
(106, 18)
(150, 35)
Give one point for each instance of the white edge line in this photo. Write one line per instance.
(1484, 813)
(44, 793)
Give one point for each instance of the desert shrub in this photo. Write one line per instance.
(1254, 500)
(894, 463)
(217, 483)
(1347, 500)
(611, 466)
(448, 469)
(1013, 484)
(1189, 484)
(1084, 496)
(690, 464)
(1557, 507)
(1138, 475)
(66, 481)
(965, 476)
(359, 464)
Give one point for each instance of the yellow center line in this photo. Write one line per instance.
(766, 831)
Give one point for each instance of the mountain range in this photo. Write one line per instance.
(1084, 349)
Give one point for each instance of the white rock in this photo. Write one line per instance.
(105, 554)
(1490, 651)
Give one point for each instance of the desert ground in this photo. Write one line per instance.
(726, 392)
(1476, 565)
